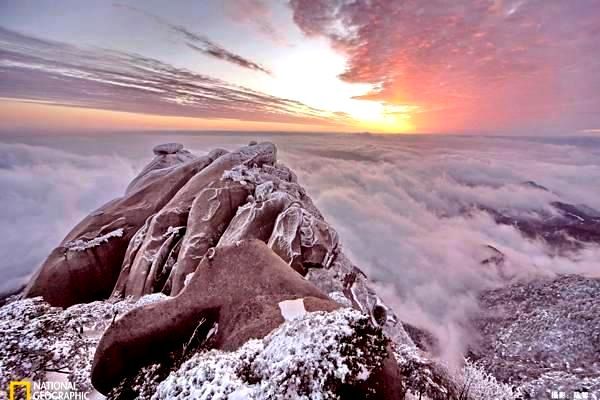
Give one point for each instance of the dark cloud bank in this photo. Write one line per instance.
(398, 204)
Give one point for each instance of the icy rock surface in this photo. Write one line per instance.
(82, 245)
(71, 277)
(317, 356)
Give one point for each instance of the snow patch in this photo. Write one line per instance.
(37, 337)
(292, 309)
(82, 245)
(171, 230)
(339, 297)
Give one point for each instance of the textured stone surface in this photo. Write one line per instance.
(157, 240)
(69, 276)
(238, 287)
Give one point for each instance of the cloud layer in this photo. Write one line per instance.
(487, 65)
(47, 71)
(255, 13)
(398, 204)
(201, 43)
(45, 192)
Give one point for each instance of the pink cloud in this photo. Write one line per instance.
(488, 64)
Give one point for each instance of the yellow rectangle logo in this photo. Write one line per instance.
(14, 385)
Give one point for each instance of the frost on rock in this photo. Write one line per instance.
(262, 191)
(542, 335)
(345, 279)
(340, 298)
(423, 377)
(188, 278)
(301, 238)
(477, 384)
(82, 245)
(36, 338)
(318, 356)
(173, 231)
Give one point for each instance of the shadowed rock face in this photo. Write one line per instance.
(230, 236)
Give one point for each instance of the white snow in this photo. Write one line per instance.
(38, 337)
(339, 297)
(262, 191)
(242, 393)
(292, 309)
(82, 245)
(173, 230)
(188, 278)
(243, 174)
(483, 385)
(306, 358)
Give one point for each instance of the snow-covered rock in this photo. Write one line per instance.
(542, 335)
(292, 309)
(248, 261)
(37, 339)
(82, 245)
(70, 277)
(321, 355)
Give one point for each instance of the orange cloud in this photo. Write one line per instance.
(469, 65)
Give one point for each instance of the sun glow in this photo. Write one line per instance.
(311, 73)
(380, 117)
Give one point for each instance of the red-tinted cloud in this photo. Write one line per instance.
(470, 65)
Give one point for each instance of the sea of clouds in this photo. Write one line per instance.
(398, 203)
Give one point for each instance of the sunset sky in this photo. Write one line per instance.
(456, 66)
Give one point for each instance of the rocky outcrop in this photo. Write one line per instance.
(167, 156)
(156, 242)
(87, 263)
(237, 288)
(241, 252)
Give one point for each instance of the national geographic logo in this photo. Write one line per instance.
(25, 390)
(14, 386)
